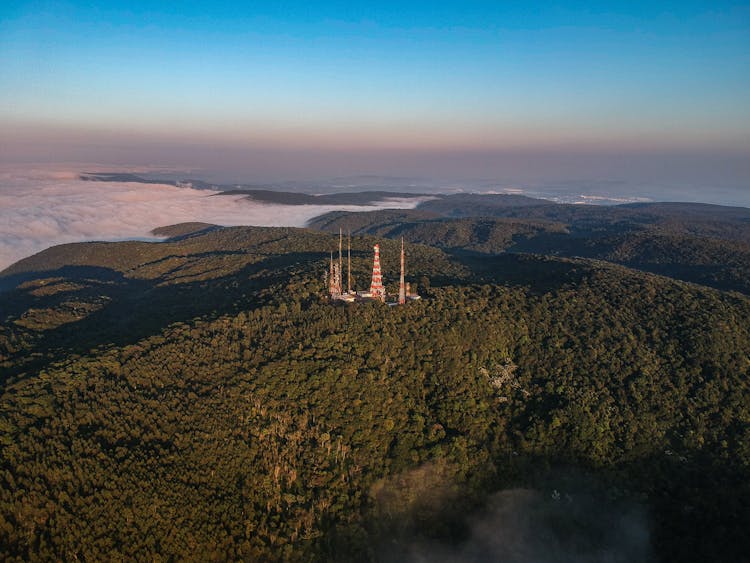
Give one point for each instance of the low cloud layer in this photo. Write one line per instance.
(42, 208)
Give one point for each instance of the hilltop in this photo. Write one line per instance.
(200, 397)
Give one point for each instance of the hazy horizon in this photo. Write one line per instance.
(642, 94)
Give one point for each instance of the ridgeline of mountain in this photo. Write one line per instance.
(479, 205)
(183, 229)
(200, 398)
(117, 177)
(261, 195)
(714, 220)
(143, 179)
(705, 244)
(298, 198)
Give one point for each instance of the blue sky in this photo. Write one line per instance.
(326, 79)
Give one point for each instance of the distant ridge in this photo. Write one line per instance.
(297, 198)
(259, 194)
(135, 178)
(474, 205)
(181, 230)
(118, 177)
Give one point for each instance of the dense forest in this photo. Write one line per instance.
(201, 398)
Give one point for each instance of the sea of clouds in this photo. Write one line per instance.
(40, 208)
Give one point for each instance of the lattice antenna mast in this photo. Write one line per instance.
(376, 286)
(401, 285)
(349, 264)
(341, 264)
(332, 279)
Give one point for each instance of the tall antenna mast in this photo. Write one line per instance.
(401, 286)
(349, 264)
(341, 264)
(332, 279)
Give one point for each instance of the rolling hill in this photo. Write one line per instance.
(201, 398)
(705, 244)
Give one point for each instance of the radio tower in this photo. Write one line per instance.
(349, 264)
(341, 265)
(401, 287)
(376, 286)
(332, 279)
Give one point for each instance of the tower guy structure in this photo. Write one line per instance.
(376, 286)
(401, 285)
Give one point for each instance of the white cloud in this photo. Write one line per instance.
(42, 208)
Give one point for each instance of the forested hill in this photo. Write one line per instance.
(200, 398)
(734, 222)
(706, 244)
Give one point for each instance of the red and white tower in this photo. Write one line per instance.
(341, 265)
(376, 286)
(401, 286)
